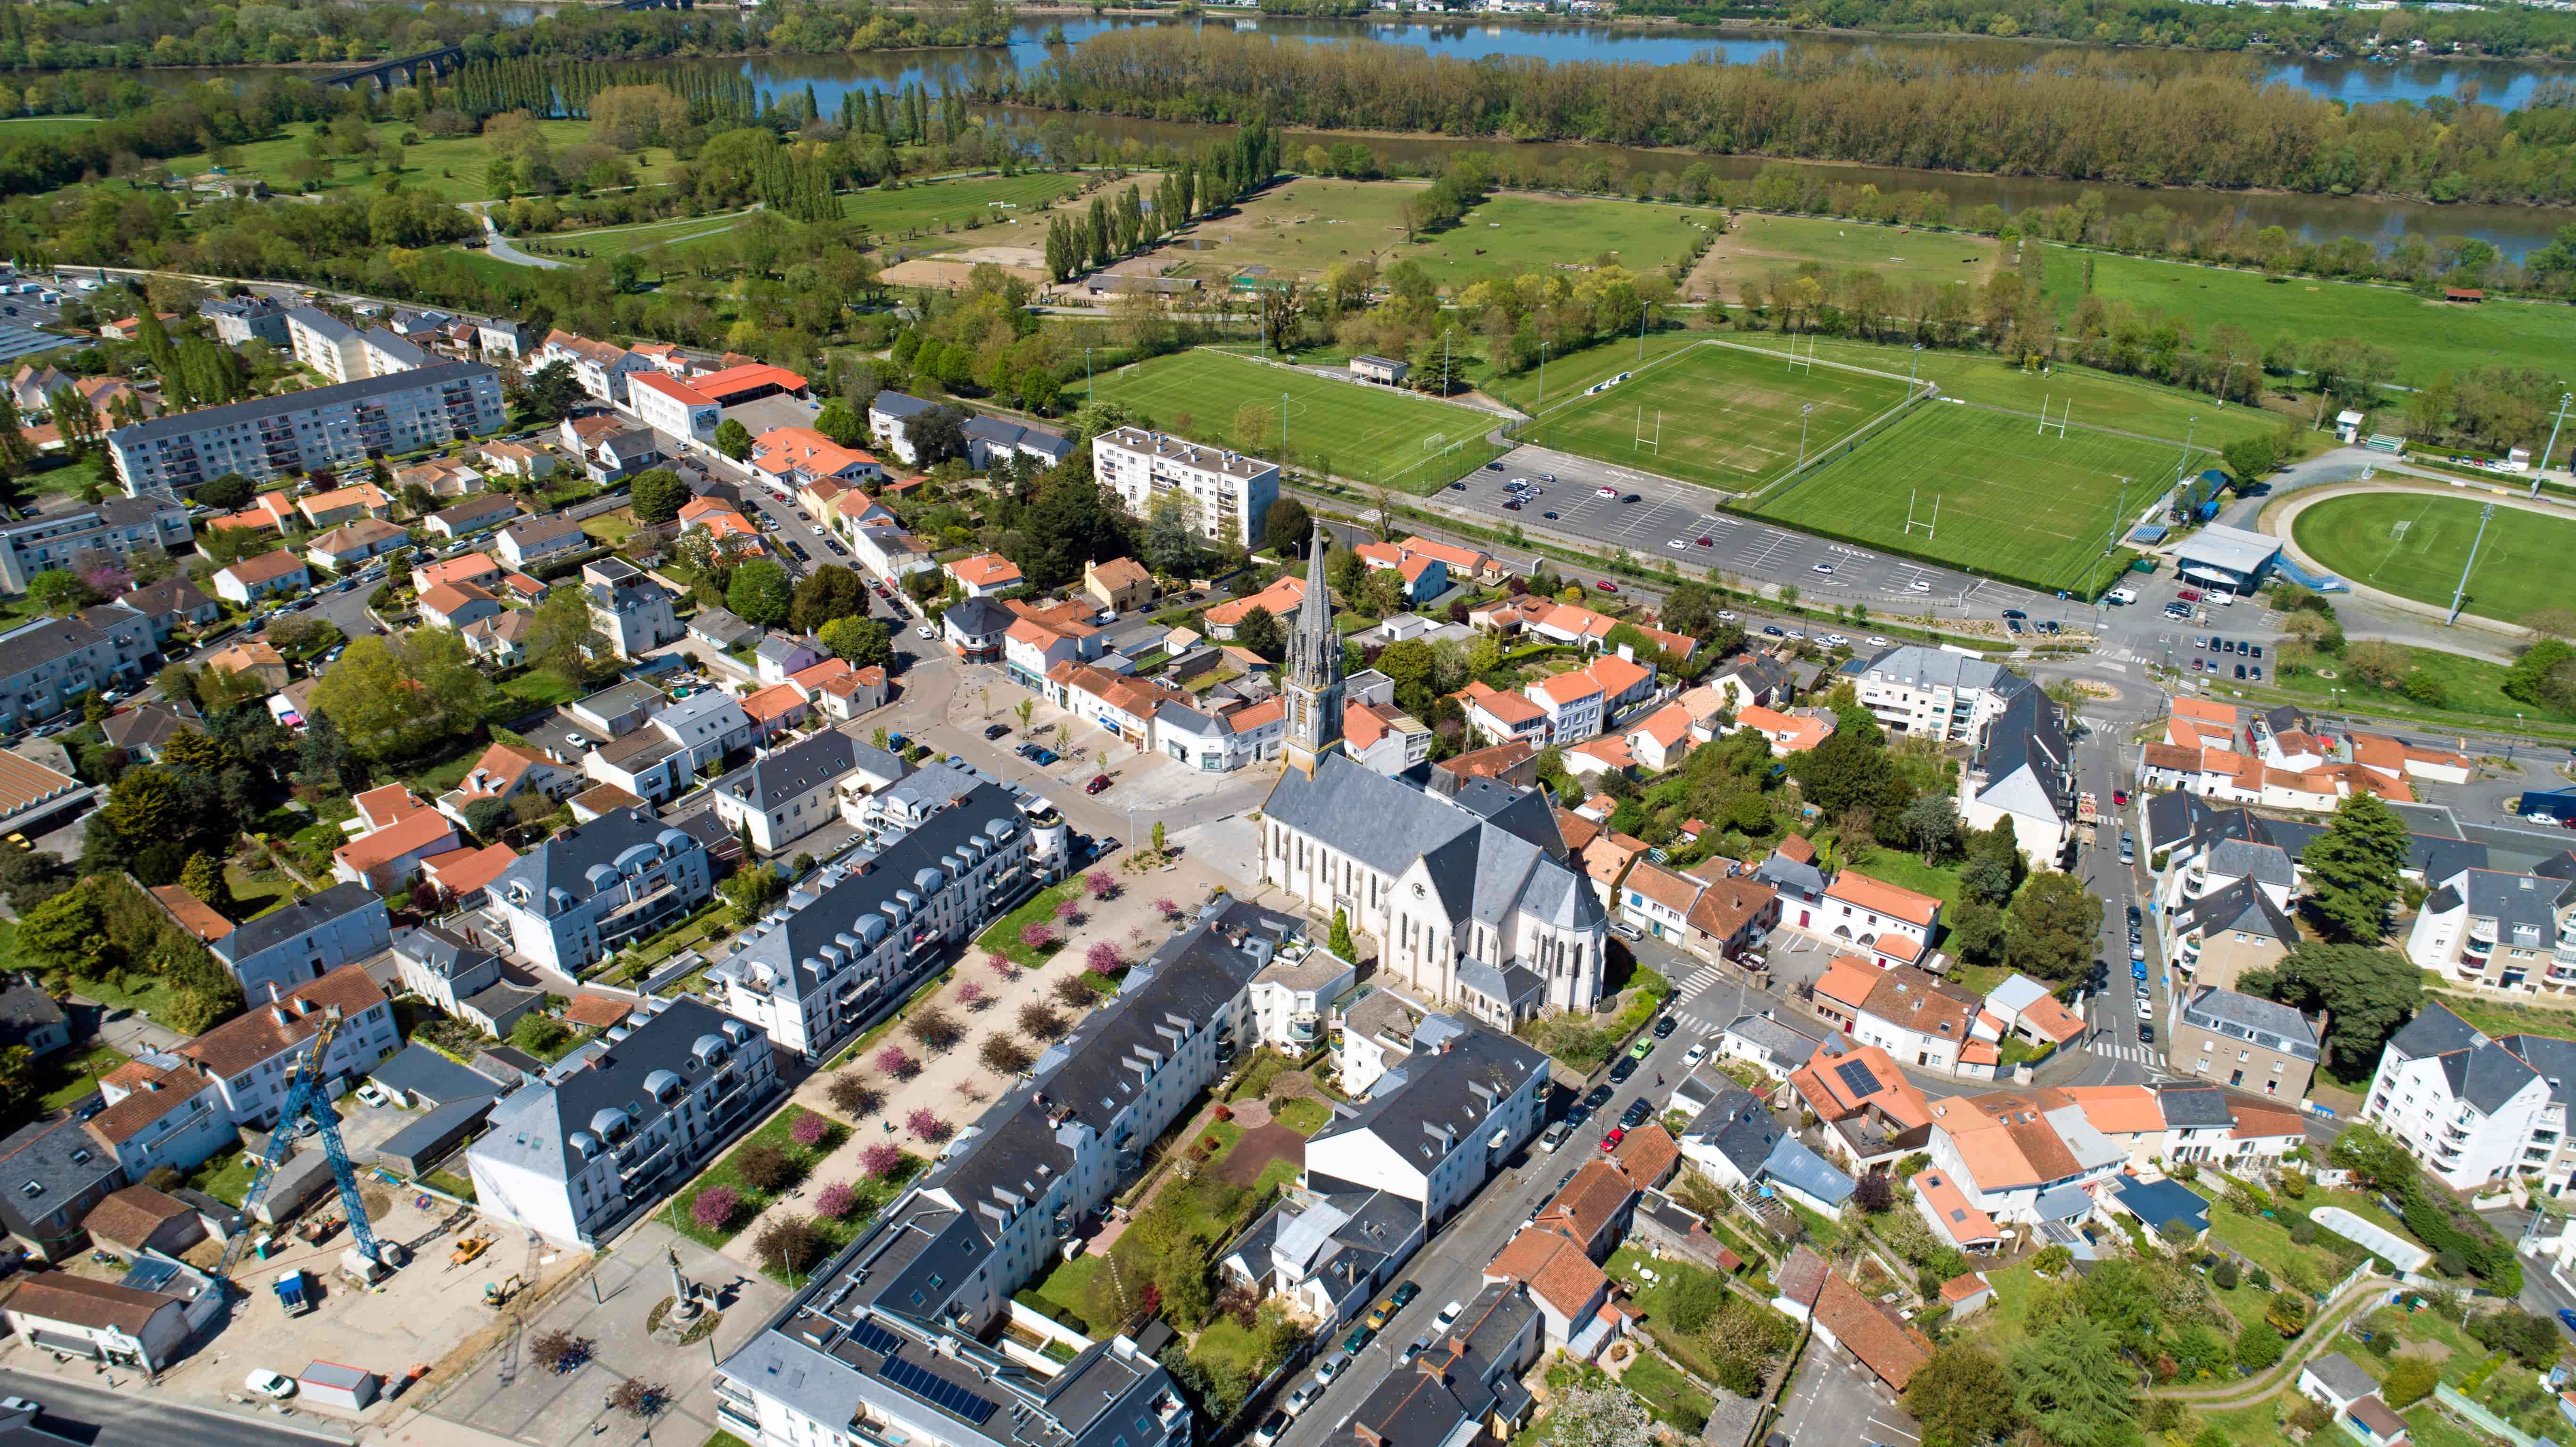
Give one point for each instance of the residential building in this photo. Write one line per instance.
(525, 543)
(576, 1153)
(118, 528)
(268, 574)
(351, 544)
(503, 772)
(798, 458)
(782, 797)
(1737, 1142)
(673, 407)
(864, 930)
(1227, 494)
(2023, 1157)
(2024, 770)
(140, 733)
(1464, 1102)
(602, 368)
(2349, 1394)
(288, 948)
(324, 427)
(1869, 1114)
(1220, 737)
(890, 416)
(254, 659)
(53, 1171)
(1328, 1254)
(1503, 718)
(118, 1326)
(621, 455)
(2475, 1110)
(1895, 925)
(2220, 937)
(1383, 737)
(2500, 931)
(252, 1058)
(387, 860)
(2247, 1043)
(461, 977)
(1466, 1388)
(1572, 1293)
(1578, 704)
(2027, 1011)
(171, 605)
(237, 320)
(457, 606)
(1843, 1316)
(984, 575)
(1120, 585)
(992, 441)
(592, 888)
(1774, 1048)
(326, 344)
(1941, 693)
(631, 610)
(1917, 1017)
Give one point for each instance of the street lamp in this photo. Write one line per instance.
(1086, 377)
(1542, 374)
(1803, 415)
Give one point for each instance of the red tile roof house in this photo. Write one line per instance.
(1593, 1209)
(1895, 924)
(1811, 1291)
(386, 860)
(505, 772)
(1568, 1289)
(253, 578)
(984, 574)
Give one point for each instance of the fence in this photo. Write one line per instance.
(2479, 1417)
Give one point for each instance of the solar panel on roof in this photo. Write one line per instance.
(1856, 1077)
(874, 1338)
(938, 1391)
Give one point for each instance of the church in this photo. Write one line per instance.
(1474, 901)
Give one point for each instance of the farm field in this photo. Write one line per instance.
(2015, 504)
(1762, 244)
(1730, 419)
(2413, 544)
(1373, 434)
(2100, 400)
(2428, 338)
(896, 215)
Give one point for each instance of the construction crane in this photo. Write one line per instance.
(304, 1098)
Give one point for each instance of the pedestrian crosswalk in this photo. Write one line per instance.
(1700, 980)
(2110, 1049)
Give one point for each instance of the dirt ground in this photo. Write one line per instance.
(956, 268)
(1258, 1148)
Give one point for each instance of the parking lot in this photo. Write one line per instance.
(1667, 512)
(1836, 1402)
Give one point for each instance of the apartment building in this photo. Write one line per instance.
(2024, 770)
(252, 1057)
(46, 664)
(286, 949)
(324, 427)
(865, 929)
(594, 887)
(655, 760)
(2475, 1110)
(673, 407)
(2227, 934)
(240, 319)
(577, 1152)
(1226, 494)
(1941, 693)
(2495, 930)
(602, 368)
(890, 418)
(116, 529)
(2247, 1043)
(1440, 1124)
(326, 344)
(782, 797)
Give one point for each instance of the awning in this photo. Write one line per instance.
(74, 1346)
(2212, 575)
(1499, 1139)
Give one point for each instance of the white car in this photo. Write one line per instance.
(1825, 568)
(1300, 1399)
(1725, 616)
(1835, 640)
(1877, 642)
(1676, 543)
(1920, 585)
(2120, 595)
(1449, 1314)
(925, 631)
(374, 1094)
(1329, 1368)
(1694, 1055)
(274, 1385)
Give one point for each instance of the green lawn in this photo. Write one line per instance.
(72, 479)
(227, 1176)
(69, 1076)
(1764, 245)
(1003, 936)
(1375, 435)
(448, 170)
(776, 1131)
(1014, 200)
(1718, 415)
(46, 125)
(1304, 1115)
(1516, 232)
(2414, 544)
(539, 688)
(1065, 1287)
(1906, 870)
(2015, 504)
(611, 241)
(1667, 1393)
(2428, 338)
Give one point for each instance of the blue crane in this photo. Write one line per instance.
(304, 1098)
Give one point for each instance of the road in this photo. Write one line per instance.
(112, 1419)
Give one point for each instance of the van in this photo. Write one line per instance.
(2121, 596)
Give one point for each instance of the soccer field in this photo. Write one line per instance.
(2014, 503)
(1377, 435)
(2413, 544)
(1728, 419)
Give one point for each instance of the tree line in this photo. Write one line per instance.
(2081, 116)
(2515, 31)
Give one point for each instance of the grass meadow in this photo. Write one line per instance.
(2413, 544)
(448, 170)
(1314, 222)
(2428, 338)
(1373, 434)
(933, 205)
(2013, 502)
(1729, 419)
(1760, 245)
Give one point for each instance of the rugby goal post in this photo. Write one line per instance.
(1806, 362)
(1643, 439)
(2063, 413)
(1931, 529)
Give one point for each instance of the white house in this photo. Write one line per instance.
(1468, 1100)
(784, 796)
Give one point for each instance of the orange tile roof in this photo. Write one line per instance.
(445, 599)
(1884, 898)
(669, 386)
(259, 1033)
(1674, 891)
(1796, 849)
(1667, 726)
(597, 1011)
(1962, 1222)
(1917, 1000)
(463, 871)
(386, 803)
(734, 380)
(1848, 981)
(411, 834)
(1729, 904)
(463, 568)
(1569, 687)
(1279, 600)
(814, 680)
(1869, 1331)
(2005, 1139)
(1120, 573)
(193, 914)
(1509, 708)
(267, 567)
(2050, 1017)
(1588, 1204)
(1648, 1154)
(502, 766)
(1576, 830)
(1555, 1269)
(362, 494)
(776, 701)
(1959, 1288)
(1617, 675)
(1465, 560)
(2180, 758)
(790, 449)
(1832, 1096)
(985, 570)
(2211, 710)
(157, 1091)
(2118, 1109)
(244, 656)
(2257, 1122)
(1610, 749)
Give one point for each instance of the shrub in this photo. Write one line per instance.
(764, 1167)
(1074, 992)
(809, 1130)
(1222, 1112)
(2259, 1279)
(1872, 1194)
(895, 1061)
(716, 1207)
(2304, 1233)
(1040, 1023)
(554, 1350)
(2258, 1347)
(2410, 1381)
(882, 1159)
(2226, 1275)
(835, 1201)
(935, 1028)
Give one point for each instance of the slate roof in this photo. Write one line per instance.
(1478, 848)
(2026, 753)
(565, 859)
(418, 1070)
(772, 780)
(1439, 1090)
(532, 1127)
(180, 424)
(2258, 863)
(2267, 1023)
(1739, 1127)
(2342, 1376)
(279, 926)
(1919, 667)
(2193, 1103)
(60, 1296)
(2239, 906)
(1787, 1048)
(2434, 1031)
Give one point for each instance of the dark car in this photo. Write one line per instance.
(1358, 1339)
(1599, 1096)
(1512, 506)
(1771, 630)
(1493, 467)
(1457, 487)
(2015, 613)
(1404, 1295)
(1577, 1113)
(1098, 783)
(1550, 513)
(1634, 497)
(1043, 757)
(1636, 1113)
(1665, 1027)
(2254, 671)
(2240, 670)
(2146, 1033)
(2253, 650)
(2134, 916)
(995, 731)
(1626, 1067)
(2567, 1318)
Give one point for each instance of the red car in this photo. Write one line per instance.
(2120, 796)
(1606, 586)
(1098, 783)
(1611, 1141)
(2188, 595)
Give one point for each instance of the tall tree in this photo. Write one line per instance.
(2353, 868)
(1962, 1397)
(2070, 1382)
(2366, 994)
(2052, 927)
(829, 592)
(759, 594)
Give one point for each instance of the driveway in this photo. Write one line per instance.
(1834, 1401)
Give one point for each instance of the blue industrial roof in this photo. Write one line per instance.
(418, 1070)
(1792, 1164)
(2156, 1202)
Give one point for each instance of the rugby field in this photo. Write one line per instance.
(1718, 416)
(1376, 435)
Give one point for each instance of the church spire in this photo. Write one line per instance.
(1313, 691)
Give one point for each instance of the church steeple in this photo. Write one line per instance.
(1313, 691)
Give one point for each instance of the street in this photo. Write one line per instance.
(113, 1419)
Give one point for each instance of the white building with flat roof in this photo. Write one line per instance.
(1228, 494)
(2223, 557)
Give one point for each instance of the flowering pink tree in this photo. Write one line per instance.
(882, 1159)
(895, 1061)
(1037, 936)
(835, 1201)
(715, 1207)
(922, 1123)
(1002, 965)
(1066, 909)
(1167, 907)
(107, 580)
(809, 1129)
(1101, 883)
(970, 995)
(1104, 957)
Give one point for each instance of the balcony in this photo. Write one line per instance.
(1303, 1026)
(737, 1420)
(2483, 931)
